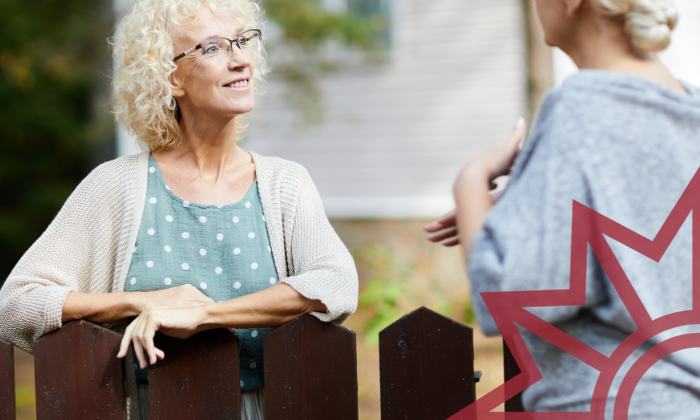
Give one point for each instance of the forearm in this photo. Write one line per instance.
(471, 193)
(102, 308)
(268, 308)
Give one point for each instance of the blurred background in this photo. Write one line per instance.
(383, 101)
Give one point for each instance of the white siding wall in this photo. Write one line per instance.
(394, 136)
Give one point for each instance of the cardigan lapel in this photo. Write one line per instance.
(270, 198)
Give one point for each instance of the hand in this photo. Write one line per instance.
(185, 295)
(493, 164)
(444, 229)
(498, 161)
(175, 321)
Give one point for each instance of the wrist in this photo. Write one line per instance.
(136, 302)
(472, 175)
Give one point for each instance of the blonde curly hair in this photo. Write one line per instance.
(648, 23)
(143, 55)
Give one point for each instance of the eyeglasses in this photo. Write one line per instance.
(218, 50)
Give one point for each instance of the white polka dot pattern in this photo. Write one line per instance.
(247, 204)
(167, 248)
(169, 218)
(220, 237)
(185, 235)
(254, 333)
(218, 270)
(151, 169)
(202, 219)
(168, 281)
(251, 235)
(185, 203)
(272, 280)
(153, 200)
(237, 285)
(185, 266)
(149, 264)
(236, 251)
(203, 285)
(254, 266)
(107, 202)
(151, 231)
(236, 219)
(202, 252)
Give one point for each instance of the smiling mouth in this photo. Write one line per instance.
(239, 84)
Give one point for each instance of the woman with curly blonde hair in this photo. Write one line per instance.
(195, 233)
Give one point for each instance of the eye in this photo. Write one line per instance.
(212, 48)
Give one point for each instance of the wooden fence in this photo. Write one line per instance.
(426, 372)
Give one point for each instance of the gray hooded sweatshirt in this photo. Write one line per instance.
(627, 148)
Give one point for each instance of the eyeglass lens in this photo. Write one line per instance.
(219, 49)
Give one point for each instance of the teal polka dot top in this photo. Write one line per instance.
(223, 250)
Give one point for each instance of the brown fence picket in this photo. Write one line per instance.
(7, 380)
(199, 378)
(511, 370)
(310, 371)
(78, 375)
(426, 364)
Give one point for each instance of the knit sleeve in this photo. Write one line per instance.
(526, 240)
(75, 253)
(320, 264)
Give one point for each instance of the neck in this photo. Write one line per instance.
(603, 45)
(208, 143)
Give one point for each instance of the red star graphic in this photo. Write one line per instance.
(590, 228)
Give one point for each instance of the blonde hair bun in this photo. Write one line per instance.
(648, 23)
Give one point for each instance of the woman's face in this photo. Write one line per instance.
(208, 86)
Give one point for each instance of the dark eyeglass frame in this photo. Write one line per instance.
(237, 40)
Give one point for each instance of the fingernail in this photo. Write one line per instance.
(520, 124)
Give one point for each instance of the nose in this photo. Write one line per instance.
(239, 59)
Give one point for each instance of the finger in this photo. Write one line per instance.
(451, 242)
(159, 353)
(518, 133)
(138, 349)
(441, 236)
(149, 345)
(445, 221)
(126, 340)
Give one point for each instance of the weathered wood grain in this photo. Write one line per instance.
(198, 379)
(78, 375)
(426, 364)
(310, 371)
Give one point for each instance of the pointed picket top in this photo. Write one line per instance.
(310, 371)
(426, 364)
(78, 375)
(199, 378)
(7, 380)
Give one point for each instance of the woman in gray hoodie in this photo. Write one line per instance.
(621, 137)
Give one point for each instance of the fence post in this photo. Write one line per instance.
(426, 367)
(511, 370)
(310, 371)
(7, 380)
(78, 375)
(198, 379)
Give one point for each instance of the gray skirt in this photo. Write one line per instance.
(252, 404)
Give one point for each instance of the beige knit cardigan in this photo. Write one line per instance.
(88, 248)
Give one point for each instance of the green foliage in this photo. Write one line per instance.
(389, 291)
(46, 75)
(306, 23)
(301, 56)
